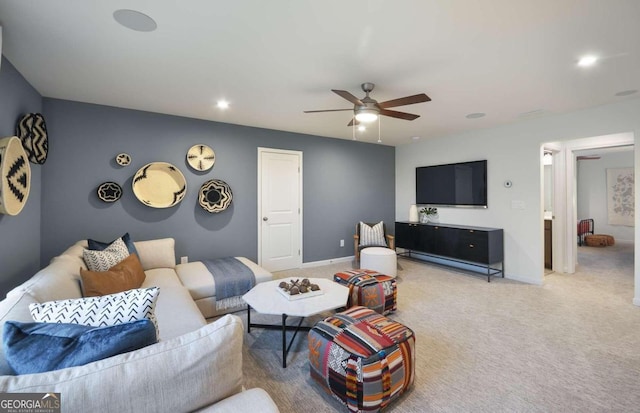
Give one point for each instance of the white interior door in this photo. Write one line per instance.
(279, 209)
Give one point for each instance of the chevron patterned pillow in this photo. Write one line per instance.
(107, 258)
(105, 310)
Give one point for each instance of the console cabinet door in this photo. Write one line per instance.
(442, 240)
(473, 245)
(407, 235)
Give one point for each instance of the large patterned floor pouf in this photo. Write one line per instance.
(370, 289)
(363, 358)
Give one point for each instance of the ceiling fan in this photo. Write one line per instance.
(368, 109)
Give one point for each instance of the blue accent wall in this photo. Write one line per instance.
(20, 234)
(344, 182)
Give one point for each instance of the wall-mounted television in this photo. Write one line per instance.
(461, 184)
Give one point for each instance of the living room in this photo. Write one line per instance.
(344, 181)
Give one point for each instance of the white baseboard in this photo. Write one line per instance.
(636, 301)
(327, 262)
(527, 280)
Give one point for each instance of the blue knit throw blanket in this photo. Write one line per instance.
(232, 279)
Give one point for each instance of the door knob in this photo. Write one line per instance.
(265, 219)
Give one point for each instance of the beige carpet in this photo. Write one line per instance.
(571, 345)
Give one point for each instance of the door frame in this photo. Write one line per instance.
(567, 209)
(262, 150)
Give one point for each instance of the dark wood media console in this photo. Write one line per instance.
(477, 246)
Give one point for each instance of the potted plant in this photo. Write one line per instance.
(428, 214)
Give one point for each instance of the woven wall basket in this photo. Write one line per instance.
(215, 196)
(32, 131)
(15, 173)
(159, 185)
(201, 157)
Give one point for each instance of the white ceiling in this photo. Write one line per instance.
(273, 59)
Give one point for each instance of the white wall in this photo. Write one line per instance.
(592, 192)
(514, 152)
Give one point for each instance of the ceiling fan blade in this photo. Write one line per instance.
(399, 115)
(354, 120)
(346, 95)
(326, 110)
(407, 100)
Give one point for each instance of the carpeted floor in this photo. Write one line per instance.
(571, 345)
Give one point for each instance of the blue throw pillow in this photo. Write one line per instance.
(39, 347)
(101, 246)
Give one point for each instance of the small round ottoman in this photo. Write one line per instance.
(380, 259)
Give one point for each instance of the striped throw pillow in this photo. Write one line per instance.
(372, 236)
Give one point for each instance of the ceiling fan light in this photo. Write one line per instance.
(366, 115)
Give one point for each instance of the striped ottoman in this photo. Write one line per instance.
(370, 289)
(365, 359)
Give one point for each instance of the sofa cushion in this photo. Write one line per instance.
(156, 253)
(175, 310)
(125, 275)
(39, 347)
(14, 307)
(200, 283)
(183, 374)
(99, 246)
(100, 311)
(58, 281)
(107, 258)
(255, 399)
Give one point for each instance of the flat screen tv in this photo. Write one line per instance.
(456, 184)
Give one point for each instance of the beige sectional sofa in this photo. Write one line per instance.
(195, 366)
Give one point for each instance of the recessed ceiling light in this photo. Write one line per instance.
(135, 20)
(587, 61)
(626, 92)
(222, 104)
(476, 115)
(415, 138)
(361, 128)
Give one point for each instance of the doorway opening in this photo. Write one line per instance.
(565, 193)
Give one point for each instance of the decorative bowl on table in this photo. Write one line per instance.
(299, 289)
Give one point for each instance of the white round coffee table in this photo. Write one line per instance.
(266, 299)
(379, 259)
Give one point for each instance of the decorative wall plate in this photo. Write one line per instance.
(215, 195)
(15, 176)
(123, 159)
(109, 192)
(32, 131)
(201, 157)
(159, 185)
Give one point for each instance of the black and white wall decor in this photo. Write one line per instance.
(201, 157)
(109, 191)
(159, 185)
(15, 173)
(32, 131)
(123, 159)
(215, 195)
